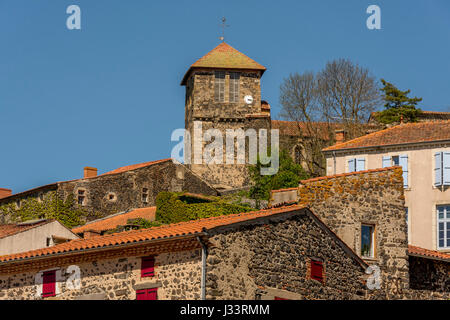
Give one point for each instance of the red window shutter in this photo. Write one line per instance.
(152, 294)
(317, 270)
(49, 284)
(141, 294)
(147, 294)
(148, 267)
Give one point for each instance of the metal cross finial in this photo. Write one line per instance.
(223, 26)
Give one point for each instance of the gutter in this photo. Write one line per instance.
(203, 279)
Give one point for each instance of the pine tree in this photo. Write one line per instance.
(398, 105)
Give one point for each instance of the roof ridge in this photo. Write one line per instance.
(382, 132)
(338, 175)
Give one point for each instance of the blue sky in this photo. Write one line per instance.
(109, 94)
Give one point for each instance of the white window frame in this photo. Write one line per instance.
(446, 221)
(372, 240)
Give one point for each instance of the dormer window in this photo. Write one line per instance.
(219, 86)
(234, 86)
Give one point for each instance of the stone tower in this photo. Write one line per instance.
(223, 92)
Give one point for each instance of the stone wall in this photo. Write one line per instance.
(429, 274)
(177, 276)
(126, 188)
(253, 259)
(345, 202)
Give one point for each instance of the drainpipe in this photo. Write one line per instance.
(334, 161)
(203, 279)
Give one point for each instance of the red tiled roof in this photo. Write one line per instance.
(114, 221)
(224, 56)
(291, 128)
(413, 250)
(401, 134)
(7, 230)
(135, 166)
(190, 228)
(349, 174)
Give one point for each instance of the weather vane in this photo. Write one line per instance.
(223, 25)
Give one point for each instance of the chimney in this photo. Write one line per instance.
(89, 234)
(265, 107)
(90, 172)
(339, 135)
(401, 119)
(5, 193)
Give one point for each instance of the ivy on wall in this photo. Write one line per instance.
(170, 209)
(51, 207)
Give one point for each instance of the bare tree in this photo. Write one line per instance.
(341, 96)
(299, 100)
(348, 94)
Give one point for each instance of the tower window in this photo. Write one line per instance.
(219, 86)
(234, 86)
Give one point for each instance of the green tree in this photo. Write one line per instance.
(398, 105)
(288, 176)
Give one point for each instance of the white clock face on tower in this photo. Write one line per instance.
(248, 99)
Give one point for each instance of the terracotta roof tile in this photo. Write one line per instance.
(112, 222)
(401, 134)
(224, 56)
(134, 166)
(413, 250)
(164, 232)
(7, 230)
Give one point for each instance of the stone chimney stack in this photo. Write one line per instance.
(340, 135)
(265, 107)
(5, 193)
(90, 172)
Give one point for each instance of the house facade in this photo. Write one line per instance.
(123, 189)
(422, 150)
(31, 235)
(282, 252)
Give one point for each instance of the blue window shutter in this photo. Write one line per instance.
(438, 169)
(446, 168)
(404, 164)
(351, 165)
(360, 164)
(386, 161)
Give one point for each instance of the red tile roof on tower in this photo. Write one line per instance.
(402, 134)
(224, 56)
(417, 251)
(112, 222)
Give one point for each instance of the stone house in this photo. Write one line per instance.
(119, 190)
(31, 235)
(366, 210)
(281, 252)
(423, 151)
